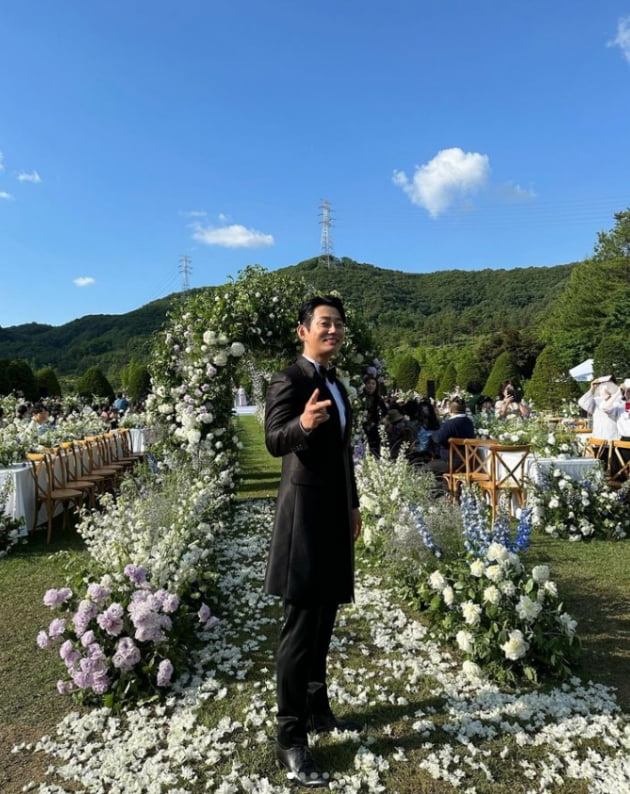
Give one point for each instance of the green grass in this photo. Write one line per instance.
(261, 472)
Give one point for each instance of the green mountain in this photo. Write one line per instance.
(417, 308)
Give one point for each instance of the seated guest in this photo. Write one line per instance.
(510, 402)
(41, 417)
(458, 425)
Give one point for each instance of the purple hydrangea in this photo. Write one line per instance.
(84, 614)
(127, 654)
(136, 573)
(111, 620)
(165, 673)
(56, 628)
(55, 598)
(98, 593)
(42, 640)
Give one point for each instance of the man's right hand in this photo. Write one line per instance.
(314, 412)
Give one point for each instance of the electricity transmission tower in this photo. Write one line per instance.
(326, 255)
(185, 268)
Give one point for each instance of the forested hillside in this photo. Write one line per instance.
(428, 308)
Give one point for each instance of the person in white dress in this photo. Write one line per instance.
(604, 402)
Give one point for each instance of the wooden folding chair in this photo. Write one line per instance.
(598, 448)
(49, 496)
(508, 472)
(456, 474)
(66, 473)
(478, 458)
(619, 463)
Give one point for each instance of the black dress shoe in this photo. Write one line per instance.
(299, 761)
(325, 723)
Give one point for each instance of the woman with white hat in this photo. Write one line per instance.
(603, 400)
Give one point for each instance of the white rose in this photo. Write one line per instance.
(471, 612)
(568, 624)
(209, 337)
(465, 641)
(471, 670)
(496, 552)
(494, 573)
(540, 573)
(477, 568)
(448, 594)
(237, 349)
(527, 609)
(492, 594)
(516, 647)
(437, 581)
(220, 359)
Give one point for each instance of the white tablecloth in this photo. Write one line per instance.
(21, 501)
(575, 468)
(140, 438)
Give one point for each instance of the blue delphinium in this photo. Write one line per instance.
(477, 536)
(424, 532)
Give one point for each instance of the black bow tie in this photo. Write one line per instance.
(330, 373)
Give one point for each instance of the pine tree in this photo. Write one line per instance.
(504, 369)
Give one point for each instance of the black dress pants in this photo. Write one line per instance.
(301, 667)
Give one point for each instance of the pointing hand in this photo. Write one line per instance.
(314, 412)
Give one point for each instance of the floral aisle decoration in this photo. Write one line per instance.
(505, 620)
(578, 510)
(548, 438)
(10, 528)
(121, 642)
(129, 620)
(166, 524)
(14, 444)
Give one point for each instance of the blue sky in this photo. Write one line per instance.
(444, 133)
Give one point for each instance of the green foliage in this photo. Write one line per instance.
(612, 355)
(523, 347)
(94, 383)
(48, 382)
(448, 381)
(16, 376)
(136, 381)
(550, 383)
(406, 372)
(426, 377)
(470, 369)
(504, 369)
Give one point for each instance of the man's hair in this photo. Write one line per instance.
(457, 406)
(307, 309)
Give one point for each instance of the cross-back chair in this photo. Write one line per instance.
(507, 466)
(619, 463)
(47, 495)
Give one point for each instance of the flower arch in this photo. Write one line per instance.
(248, 323)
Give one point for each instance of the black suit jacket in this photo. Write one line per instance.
(311, 557)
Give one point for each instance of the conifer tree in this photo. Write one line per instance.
(550, 383)
(504, 369)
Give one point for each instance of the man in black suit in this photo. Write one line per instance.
(311, 559)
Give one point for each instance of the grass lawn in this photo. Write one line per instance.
(594, 581)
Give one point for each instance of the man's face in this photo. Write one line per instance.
(325, 335)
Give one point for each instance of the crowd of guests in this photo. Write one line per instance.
(45, 415)
(421, 428)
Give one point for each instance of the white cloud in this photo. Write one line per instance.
(623, 37)
(34, 177)
(511, 191)
(234, 236)
(84, 281)
(452, 173)
(5, 195)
